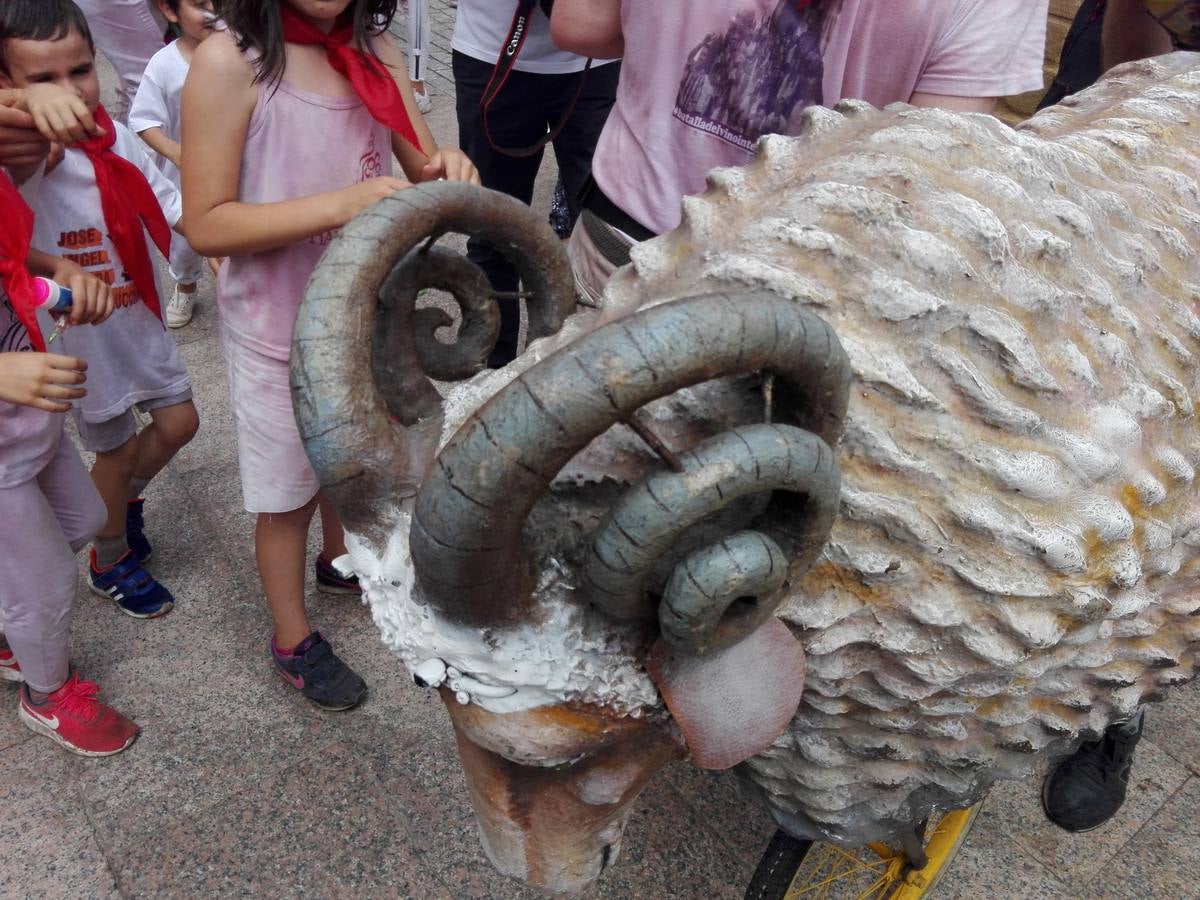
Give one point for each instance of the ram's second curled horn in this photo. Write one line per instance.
(466, 533)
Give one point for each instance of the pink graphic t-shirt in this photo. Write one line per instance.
(702, 80)
(298, 144)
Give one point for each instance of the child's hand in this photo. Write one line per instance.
(91, 298)
(358, 197)
(20, 144)
(41, 380)
(452, 164)
(59, 114)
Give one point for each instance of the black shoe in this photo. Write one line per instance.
(331, 581)
(1088, 787)
(319, 673)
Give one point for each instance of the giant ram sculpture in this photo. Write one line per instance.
(990, 336)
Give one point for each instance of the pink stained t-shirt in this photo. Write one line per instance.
(298, 144)
(702, 80)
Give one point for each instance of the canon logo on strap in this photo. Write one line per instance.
(518, 30)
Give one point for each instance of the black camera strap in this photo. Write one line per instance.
(509, 51)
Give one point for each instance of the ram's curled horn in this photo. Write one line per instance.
(353, 371)
(718, 593)
(466, 532)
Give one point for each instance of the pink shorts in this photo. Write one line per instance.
(276, 474)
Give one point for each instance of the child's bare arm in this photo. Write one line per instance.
(218, 100)
(156, 139)
(59, 114)
(431, 162)
(92, 300)
(41, 380)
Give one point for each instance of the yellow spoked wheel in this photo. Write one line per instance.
(792, 869)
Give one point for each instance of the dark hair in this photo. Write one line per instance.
(40, 20)
(171, 32)
(258, 27)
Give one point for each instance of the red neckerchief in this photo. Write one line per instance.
(14, 251)
(367, 75)
(128, 203)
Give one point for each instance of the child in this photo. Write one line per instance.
(94, 207)
(155, 118)
(282, 152)
(48, 507)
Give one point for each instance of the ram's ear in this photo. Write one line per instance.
(733, 703)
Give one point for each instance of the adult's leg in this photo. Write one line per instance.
(515, 119)
(576, 143)
(54, 515)
(127, 33)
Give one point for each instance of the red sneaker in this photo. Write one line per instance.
(10, 669)
(74, 718)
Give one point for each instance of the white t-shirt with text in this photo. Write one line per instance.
(131, 357)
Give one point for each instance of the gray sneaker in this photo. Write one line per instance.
(319, 674)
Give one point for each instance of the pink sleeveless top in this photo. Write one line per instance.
(298, 144)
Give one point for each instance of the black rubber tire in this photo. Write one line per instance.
(777, 867)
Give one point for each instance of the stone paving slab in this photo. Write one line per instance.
(1078, 858)
(238, 787)
(1163, 858)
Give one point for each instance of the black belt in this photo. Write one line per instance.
(609, 213)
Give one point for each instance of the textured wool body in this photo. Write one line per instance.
(1015, 563)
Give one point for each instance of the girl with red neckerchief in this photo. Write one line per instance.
(290, 120)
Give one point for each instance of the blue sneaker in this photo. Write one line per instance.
(127, 583)
(319, 674)
(134, 534)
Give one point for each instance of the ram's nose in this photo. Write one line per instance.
(553, 787)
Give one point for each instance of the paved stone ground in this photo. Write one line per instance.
(238, 787)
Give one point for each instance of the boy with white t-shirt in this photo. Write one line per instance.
(95, 209)
(155, 118)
